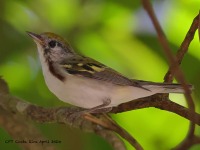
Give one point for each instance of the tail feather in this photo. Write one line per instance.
(165, 87)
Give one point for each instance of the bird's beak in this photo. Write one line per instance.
(36, 37)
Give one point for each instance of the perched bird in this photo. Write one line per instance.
(85, 82)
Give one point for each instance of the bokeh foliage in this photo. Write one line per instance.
(114, 32)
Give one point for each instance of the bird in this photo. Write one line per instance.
(84, 82)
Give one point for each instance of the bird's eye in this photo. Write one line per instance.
(52, 44)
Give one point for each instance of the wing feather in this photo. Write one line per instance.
(90, 68)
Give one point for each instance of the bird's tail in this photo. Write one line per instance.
(165, 87)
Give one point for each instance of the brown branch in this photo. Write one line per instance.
(112, 125)
(56, 115)
(19, 128)
(183, 48)
(12, 105)
(174, 66)
(199, 25)
(171, 59)
(111, 137)
(161, 102)
(61, 115)
(188, 143)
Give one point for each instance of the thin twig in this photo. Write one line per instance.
(188, 143)
(160, 102)
(112, 125)
(173, 63)
(172, 60)
(183, 48)
(199, 25)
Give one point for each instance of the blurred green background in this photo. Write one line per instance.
(115, 32)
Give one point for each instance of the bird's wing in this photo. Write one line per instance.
(90, 68)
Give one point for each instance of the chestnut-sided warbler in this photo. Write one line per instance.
(84, 82)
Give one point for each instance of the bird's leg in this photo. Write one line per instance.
(95, 110)
(100, 108)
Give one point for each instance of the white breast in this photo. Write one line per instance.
(89, 93)
(74, 90)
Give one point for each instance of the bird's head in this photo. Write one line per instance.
(52, 46)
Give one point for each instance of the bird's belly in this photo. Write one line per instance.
(77, 91)
(89, 93)
(85, 94)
